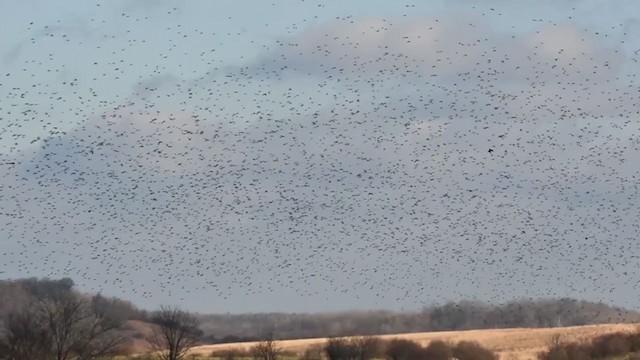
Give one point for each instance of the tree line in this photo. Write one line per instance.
(49, 319)
(463, 315)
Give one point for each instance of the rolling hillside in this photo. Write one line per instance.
(517, 343)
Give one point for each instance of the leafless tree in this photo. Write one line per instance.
(268, 348)
(101, 338)
(175, 332)
(368, 347)
(25, 337)
(62, 327)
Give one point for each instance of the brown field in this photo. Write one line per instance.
(520, 343)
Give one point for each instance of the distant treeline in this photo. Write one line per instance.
(450, 316)
(463, 315)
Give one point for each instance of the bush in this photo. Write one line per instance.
(143, 357)
(634, 341)
(402, 349)
(438, 350)
(266, 350)
(610, 345)
(555, 351)
(313, 352)
(601, 347)
(340, 349)
(288, 353)
(560, 350)
(566, 352)
(230, 354)
(367, 347)
(470, 350)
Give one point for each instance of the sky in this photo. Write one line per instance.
(309, 156)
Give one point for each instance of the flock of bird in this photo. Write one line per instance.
(373, 161)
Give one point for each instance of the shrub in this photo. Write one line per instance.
(313, 352)
(288, 353)
(402, 349)
(634, 341)
(438, 350)
(340, 349)
(470, 350)
(266, 350)
(560, 350)
(610, 345)
(367, 347)
(144, 357)
(555, 351)
(566, 352)
(230, 354)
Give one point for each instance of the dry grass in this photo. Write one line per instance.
(521, 343)
(139, 345)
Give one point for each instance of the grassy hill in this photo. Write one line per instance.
(516, 343)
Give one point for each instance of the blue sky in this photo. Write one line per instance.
(310, 156)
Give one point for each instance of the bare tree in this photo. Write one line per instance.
(100, 336)
(65, 320)
(175, 332)
(79, 328)
(268, 348)
(61, 327)
(368, 347)
(25, 337)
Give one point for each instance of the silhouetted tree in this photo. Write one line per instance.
(175, 332)
(61, 325)
(25, 337)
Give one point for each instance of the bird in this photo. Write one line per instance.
(338, 156)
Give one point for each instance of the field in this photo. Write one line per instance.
(521, 343)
